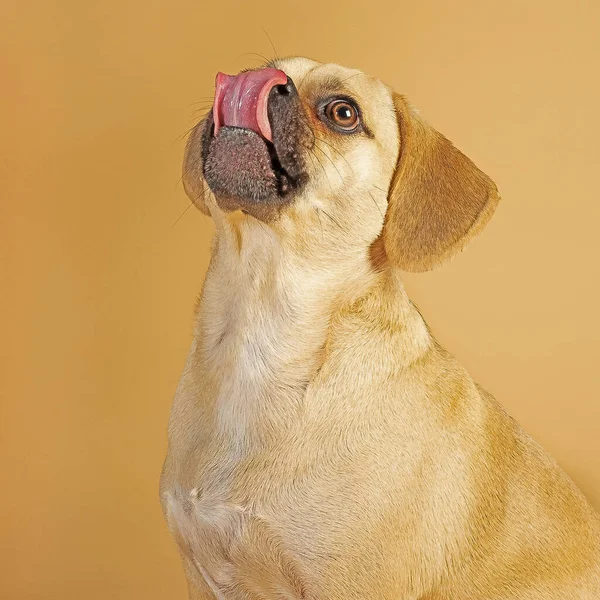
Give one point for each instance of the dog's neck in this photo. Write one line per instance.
(265, 316)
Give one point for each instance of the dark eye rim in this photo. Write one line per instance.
(322, 113)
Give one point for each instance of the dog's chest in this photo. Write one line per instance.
(238, 552)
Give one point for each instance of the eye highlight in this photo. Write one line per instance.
(343, 115)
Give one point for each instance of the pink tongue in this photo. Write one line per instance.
(241, 100)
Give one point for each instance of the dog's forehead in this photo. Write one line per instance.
(314, 77)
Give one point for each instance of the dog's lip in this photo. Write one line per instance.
(241, 100)
(285, 182)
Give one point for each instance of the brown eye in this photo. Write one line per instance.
(342, 114)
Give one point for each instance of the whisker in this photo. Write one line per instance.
(336, 151)
(202, 99)
(311, 156)
(351, 76)
(179, 181)
(256, 56)
(201, 113)
(304, 121)
(262, 226)
(183, 213)
(270, 42)
(186, 133)
(329, 159)
(331, 218)
(378, 188)
(377, 205)
(322, 167)
(320, 222)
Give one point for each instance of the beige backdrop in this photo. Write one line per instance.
(100, 273)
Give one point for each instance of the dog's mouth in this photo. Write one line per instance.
(250, 151)
(285, 182)
(242, 100)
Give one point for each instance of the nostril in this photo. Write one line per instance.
(283, 90)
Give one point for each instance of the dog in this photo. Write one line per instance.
(322, 444)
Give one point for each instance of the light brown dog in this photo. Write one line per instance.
(322, 444)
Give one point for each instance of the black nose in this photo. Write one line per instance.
(284, 110)
(286, 89)
(282, 94)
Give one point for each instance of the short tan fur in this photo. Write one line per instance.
(322, 444)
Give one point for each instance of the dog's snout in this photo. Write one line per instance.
(251, 145)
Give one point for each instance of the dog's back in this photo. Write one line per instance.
(542, 537)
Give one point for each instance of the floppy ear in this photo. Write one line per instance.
(438, 199)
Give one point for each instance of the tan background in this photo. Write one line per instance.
(98, 281)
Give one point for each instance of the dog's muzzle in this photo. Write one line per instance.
(251, 147)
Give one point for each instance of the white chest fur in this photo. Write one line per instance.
(238, 553)
(264, 320)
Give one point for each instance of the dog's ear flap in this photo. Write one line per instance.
(438, 199)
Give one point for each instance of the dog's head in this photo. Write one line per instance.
(336, 154)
